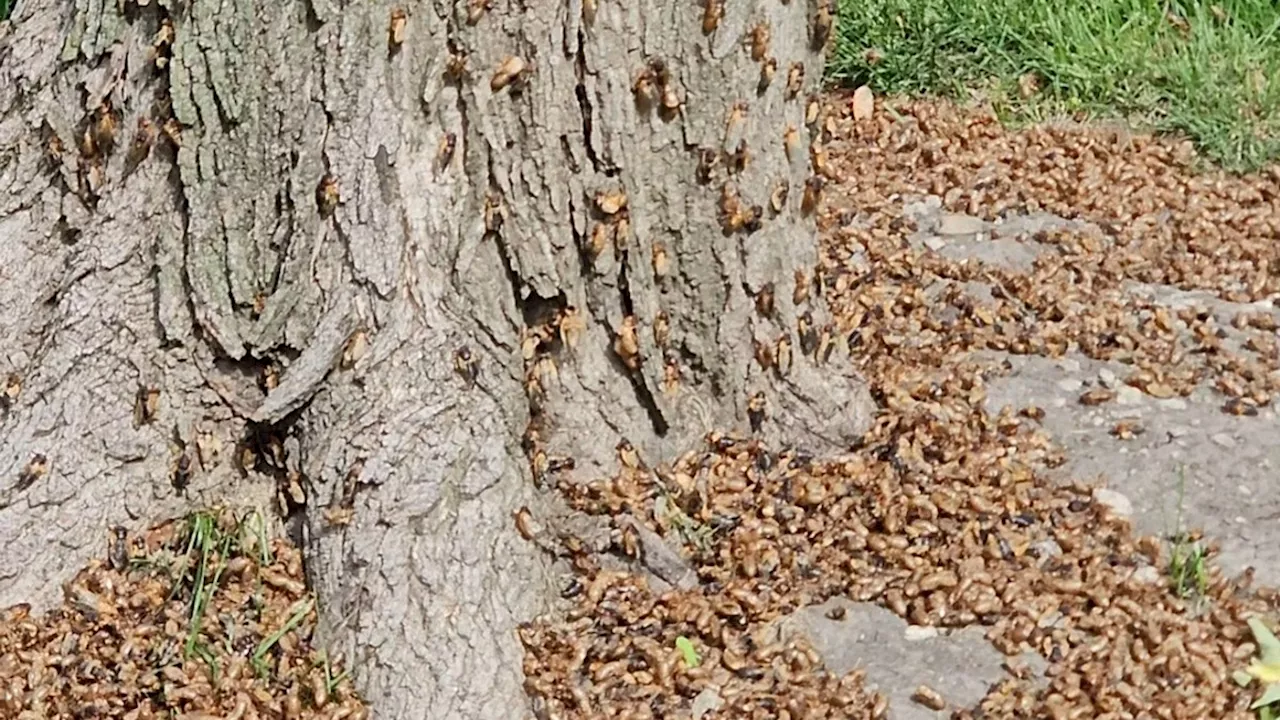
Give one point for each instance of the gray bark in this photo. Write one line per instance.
(335, 204)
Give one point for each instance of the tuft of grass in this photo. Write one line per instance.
(1208, 70)
(5, 8)
(1188, 558)
(297, 613)
(331, 681)
(1188, 568)
(207, 542)
(211, 546)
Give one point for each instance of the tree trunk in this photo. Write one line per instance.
(390, 266)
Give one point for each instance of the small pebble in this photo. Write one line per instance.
(1147, 574)
(1070, 384)
(1128, 395)
(1048, 548)
(1107, 378)
(1223, 439)
(707, 701)
(1049, 620)
(934, 243)
(1119, 504)
(914, 633)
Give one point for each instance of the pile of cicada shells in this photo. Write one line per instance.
(1153, 222)
(122, 644)
(944, 514)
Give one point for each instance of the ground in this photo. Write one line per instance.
(1071, 338)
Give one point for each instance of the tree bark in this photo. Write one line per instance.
(390, 264)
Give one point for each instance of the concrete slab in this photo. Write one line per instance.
(960, 665)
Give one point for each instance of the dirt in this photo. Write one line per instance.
(1072, 344)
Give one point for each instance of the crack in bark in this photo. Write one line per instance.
(641, 388)
(504, 252)
(584, 108)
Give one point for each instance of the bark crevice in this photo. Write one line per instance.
(585, 110)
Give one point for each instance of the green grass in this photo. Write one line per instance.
(1208, 70)
(206, 548)
(297, 613)
(4, 9)
(1187, 568)
(1188, 559)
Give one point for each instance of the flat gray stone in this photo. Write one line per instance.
(956, 224)
(960, 665)
(707, 701)
(661, 559)
(964, 237)
(1180, 468)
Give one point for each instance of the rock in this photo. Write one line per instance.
(1119, 504)
(1107, 378)
(1049, 620)
(1070, 384)
(663, 560)
(864, 103)
(707, 701)
(914, 633)
(1070, 365)
(1174, 403)
(1147, 574)
(1129, 395)
(956, 224)
(960, 664)
(1045, 549)
(934, 243)
(1224, 440)
(921, 209)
